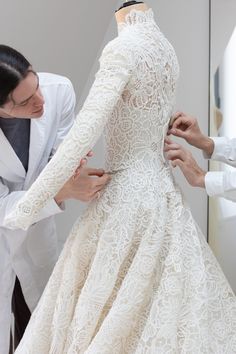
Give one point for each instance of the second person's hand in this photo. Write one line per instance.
(183, 158)
(186, 127)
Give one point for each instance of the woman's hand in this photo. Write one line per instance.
(187, 127)
(183, 158)
(85, 185)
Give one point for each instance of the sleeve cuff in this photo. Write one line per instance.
(220, 145)
(214, 183)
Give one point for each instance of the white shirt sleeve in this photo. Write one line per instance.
(223, 183)
(224, 150)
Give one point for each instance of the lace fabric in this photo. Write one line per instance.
(136, 274)
(135, 17)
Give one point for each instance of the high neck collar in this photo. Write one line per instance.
(136, 17)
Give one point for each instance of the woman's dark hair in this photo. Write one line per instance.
(13, 68)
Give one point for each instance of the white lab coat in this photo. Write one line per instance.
(31, 255)
(223, 183)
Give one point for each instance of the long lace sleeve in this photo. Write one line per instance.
(113, 75)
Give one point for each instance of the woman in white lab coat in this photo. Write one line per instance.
(36, 112)
(220, 184)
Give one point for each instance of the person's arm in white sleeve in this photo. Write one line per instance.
(221, 184)
(220, 149)
(218, 184)
(224, 150)
(111, 79)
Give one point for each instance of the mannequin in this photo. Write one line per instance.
(129, 3)
(127, 7)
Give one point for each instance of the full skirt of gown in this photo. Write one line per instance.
(136, 276)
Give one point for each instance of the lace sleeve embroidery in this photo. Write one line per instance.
(113, 75)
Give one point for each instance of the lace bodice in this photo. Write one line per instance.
(141, 116)
(131, 98)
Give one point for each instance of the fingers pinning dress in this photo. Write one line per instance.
(136, 275)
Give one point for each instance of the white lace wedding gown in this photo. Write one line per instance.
(136, 275)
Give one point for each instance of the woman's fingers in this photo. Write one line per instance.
(168, 141)
(178, 154)
(178, 132)
(99, 172)
(171, 146)
(90, 153)
(178, 163)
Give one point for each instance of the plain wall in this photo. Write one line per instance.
(68, 37)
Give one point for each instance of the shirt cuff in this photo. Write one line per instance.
(220, 145)
(214, 183)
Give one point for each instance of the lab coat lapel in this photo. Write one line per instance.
(37, 144)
